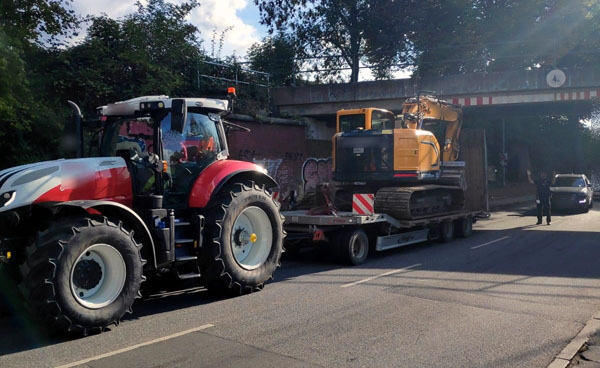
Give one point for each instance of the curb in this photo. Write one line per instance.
(563, 359)
(495, 203)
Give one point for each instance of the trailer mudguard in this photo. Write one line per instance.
(219, 173)
(122, 213)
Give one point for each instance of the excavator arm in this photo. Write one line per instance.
(418, 110)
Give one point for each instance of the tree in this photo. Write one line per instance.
(33, 20)
(463, 36)
(356, 31)
(28, 128)
(152, 51)
(275, 55)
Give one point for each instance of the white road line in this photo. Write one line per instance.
(490, 242)
(382, 275)
(133, 347)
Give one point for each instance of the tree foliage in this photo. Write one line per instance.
(275, 55)
(463, 36)
(32, 20)
(354, 31)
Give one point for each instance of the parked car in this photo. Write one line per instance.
(572, 192)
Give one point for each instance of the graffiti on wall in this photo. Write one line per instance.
(271, 165)
(316, 171)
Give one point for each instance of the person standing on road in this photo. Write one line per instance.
(543, 196)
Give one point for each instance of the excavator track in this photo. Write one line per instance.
(412, 203)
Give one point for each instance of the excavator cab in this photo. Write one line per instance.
(365, 119)
(373, 144)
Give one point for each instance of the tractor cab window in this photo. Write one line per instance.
(128, 138)
(198, 143)
(135, 137)
(188, 153)
(381, 120)
(351, 122)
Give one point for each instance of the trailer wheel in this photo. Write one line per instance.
(246, 229)
(82, 274)
(446, 231)
(352, 246)
(464, 227)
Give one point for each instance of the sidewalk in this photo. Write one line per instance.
(590, 356)
(512, 193)
(584, 349)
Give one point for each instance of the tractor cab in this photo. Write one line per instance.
(165, 142)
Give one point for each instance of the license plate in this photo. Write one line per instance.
(358, 150)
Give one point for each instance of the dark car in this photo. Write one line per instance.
(572, 192)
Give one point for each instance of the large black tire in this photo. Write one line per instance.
(221, 271)
(352, 246)
(464, 227)
(48, 273)
(446, 231)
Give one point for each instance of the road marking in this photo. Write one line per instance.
(133, 347)
(490, 242)
(382, 275)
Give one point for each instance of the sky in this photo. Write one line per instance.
(242, 15)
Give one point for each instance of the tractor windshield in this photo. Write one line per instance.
(188, 153)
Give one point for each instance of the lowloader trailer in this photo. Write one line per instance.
(351, 235)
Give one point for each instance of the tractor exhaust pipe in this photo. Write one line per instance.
(76, 119)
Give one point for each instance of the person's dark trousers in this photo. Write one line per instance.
(544, 204)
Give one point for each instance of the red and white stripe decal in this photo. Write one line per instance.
(276, 196)
(524, 98)
(363, 204)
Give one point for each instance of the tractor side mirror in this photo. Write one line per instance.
(178, 115)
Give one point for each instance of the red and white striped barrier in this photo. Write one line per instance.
(543, 96)
(363, 204)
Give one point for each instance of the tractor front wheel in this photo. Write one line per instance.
(244, 242)
(82, 274)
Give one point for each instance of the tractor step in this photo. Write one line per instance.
(187, 276)
(185, 259)
(184, 240)
(182, 223)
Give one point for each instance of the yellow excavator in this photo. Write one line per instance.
(410, 160)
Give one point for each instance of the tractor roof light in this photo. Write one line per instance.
(151, 105)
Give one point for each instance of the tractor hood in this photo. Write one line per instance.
(101, 178)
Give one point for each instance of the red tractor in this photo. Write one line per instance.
(79, 236)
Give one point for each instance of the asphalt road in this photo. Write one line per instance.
(512, 295)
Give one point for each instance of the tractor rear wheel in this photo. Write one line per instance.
(244, 240)
(82, 274)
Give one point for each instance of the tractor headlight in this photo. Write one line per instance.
(7, 198)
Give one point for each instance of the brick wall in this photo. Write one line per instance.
(297, 163)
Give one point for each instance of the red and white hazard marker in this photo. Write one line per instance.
(363, 204)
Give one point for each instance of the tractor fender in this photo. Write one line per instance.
(219, 173)
(117, 211)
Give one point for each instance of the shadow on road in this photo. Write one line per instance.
(526, 251)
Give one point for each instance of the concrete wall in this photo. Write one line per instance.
(320, 100)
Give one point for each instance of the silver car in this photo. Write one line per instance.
(572, 192)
